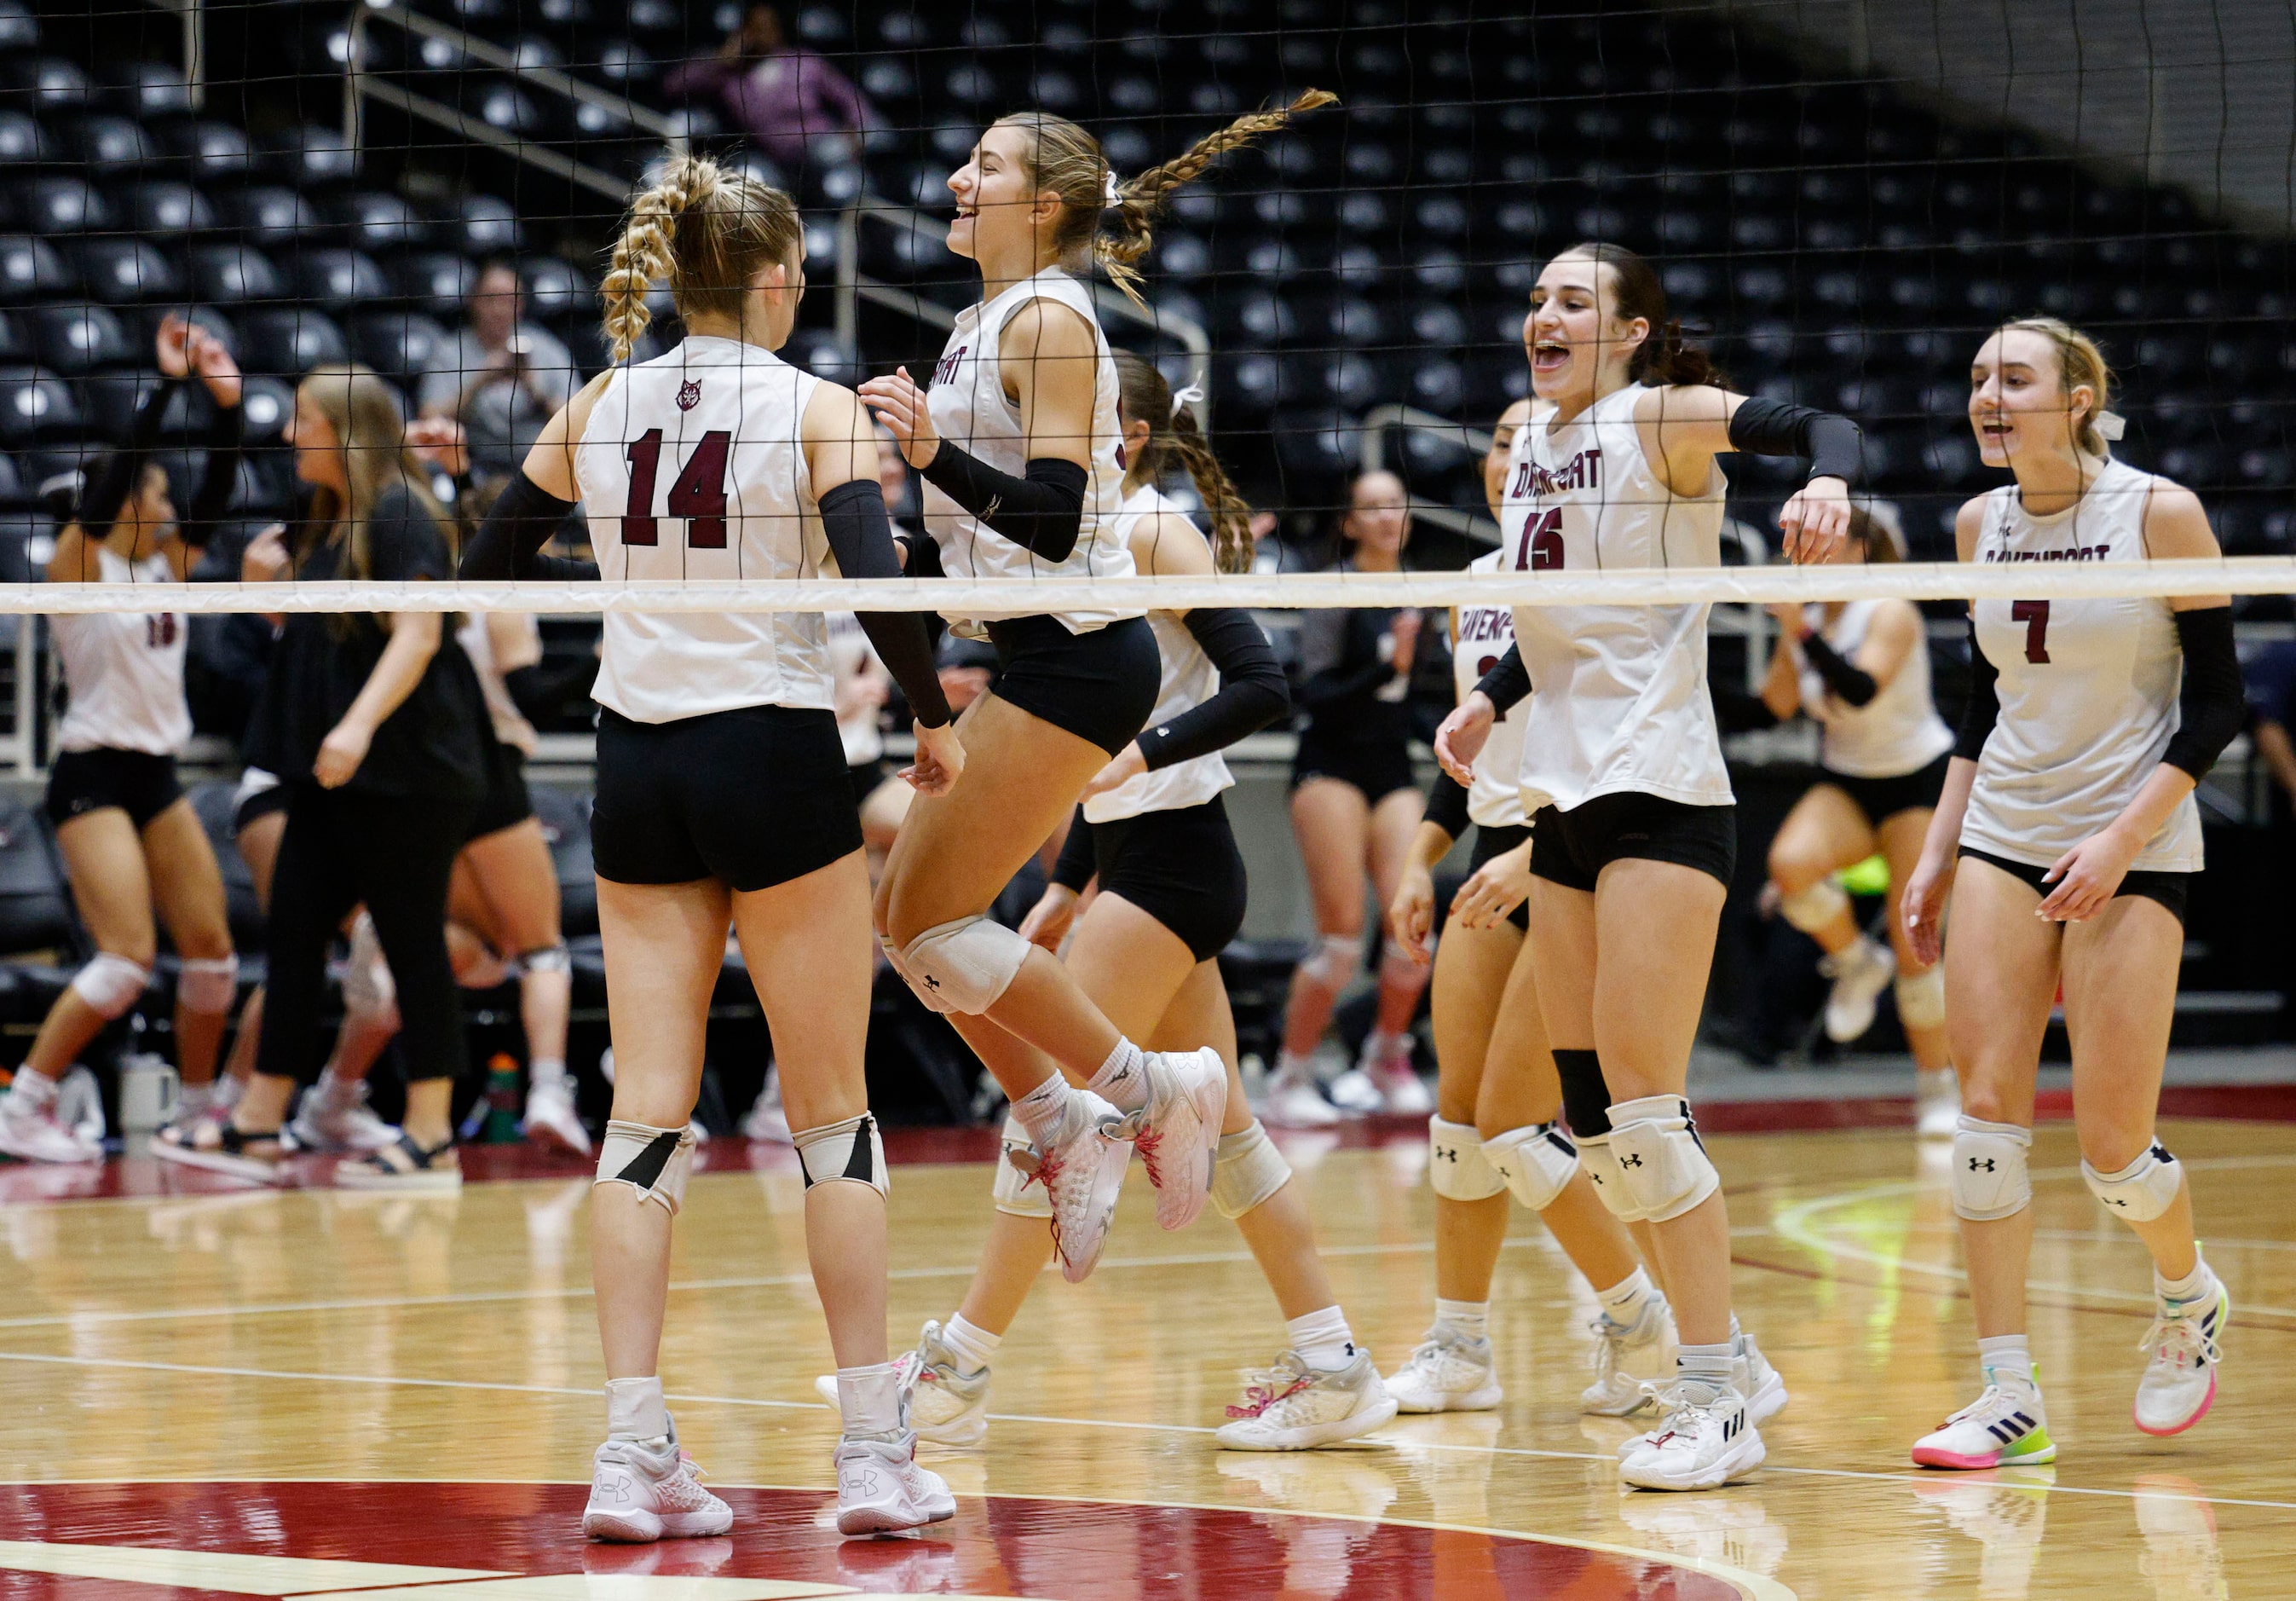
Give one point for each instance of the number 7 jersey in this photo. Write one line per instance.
(692, 467)
(1619, 701)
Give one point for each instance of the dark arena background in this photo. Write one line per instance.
(213, 1387)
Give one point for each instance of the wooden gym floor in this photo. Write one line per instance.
(206, 1391)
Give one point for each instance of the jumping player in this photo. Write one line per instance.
(2068, 838)
(722, 798)
(1634, 827)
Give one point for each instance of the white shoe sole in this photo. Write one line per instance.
(1448, 1400)
(643, 1528)
(218, 1161)
(1614, 1409)
(1742, 1459)
(1769, 1398)
(892, 1516)
(550, 1137)
(967, 1428)
(1307, 1436)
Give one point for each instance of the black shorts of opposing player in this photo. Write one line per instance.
(1497, 841)
(1181, 867)
(1882, 799)
(507, 804)
(1571, 847)
(753, 797)
(1377, 768)
(2172, 890)
(138, 783)
(1100, 687)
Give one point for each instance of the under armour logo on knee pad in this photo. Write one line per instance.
(1981, 1164)
(1630, 1160)
(1449, 1155)
(931, 983)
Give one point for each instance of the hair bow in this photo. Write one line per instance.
(1193, 395)
(2112, 424)
(1115, 193)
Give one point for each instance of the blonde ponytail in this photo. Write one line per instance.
(706, 233)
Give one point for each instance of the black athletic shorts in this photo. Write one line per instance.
(1099, 686)
(753, 797)
(259, 796)
(1497, 841)
(2172, 890)
(1377, 770)
(1882, 799)
(1181, 867)
(865, 776)
(138, 783)
(507, 804)
(1571, 847)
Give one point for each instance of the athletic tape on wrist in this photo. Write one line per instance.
(850, 1151)
(1811, 909)
(1989, 1177)
(654, 1161)
(1661, 1160)
(1247, 1169)
(2143, 1190)
(208, 984)
(1538, 1162)
(1014, 1191)
(110, 984)
(1457, 1170)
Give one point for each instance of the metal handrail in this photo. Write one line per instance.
(193, 13)
(1372, 455)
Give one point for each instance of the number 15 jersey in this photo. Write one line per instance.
(692, 467)
(1619, 701)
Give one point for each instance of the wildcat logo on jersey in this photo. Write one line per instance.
(689, 394)
(945, 370)
(1583, 470)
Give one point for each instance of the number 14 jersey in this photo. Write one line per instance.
(692, 467)
(1619, 701)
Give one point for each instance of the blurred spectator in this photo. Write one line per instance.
(500, 376)
(790, 100)
(2271, 677)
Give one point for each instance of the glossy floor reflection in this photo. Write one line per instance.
(241, 1374)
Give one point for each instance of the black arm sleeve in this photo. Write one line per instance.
(861, 538)
(1446, 806)
(1043, 511)
(224, 445)
(1508, 683)
(1077, 862)
(509, 543)
(101, 500)
(2213, 704)
(1833, 444)
(1252, 692)
(1984, 708)
(1852, 683)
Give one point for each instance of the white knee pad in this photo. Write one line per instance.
(652, 1162)
(2143, 1189)
(1246, 1170)
(110, 984)
(1601, 1165)
(1989, 1181)
(1014, 1193)
(1537, 1161)
(851, 1152)
(208, 984)
(1662, 1162)
(1920, 997)
(550, 958)
(1335, 961)
(1456, 1168)
(1811, 909)
(963, 965)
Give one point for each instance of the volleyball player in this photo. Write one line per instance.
(1633, 823)
(1020, 451)
(1355, 806)
(1496, 1127)
(2068, 837)
(722, 798)
(1861, 670)
(130, 839)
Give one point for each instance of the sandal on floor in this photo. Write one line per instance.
(219, 1147)
(404, 1166)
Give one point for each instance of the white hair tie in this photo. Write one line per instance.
(2112, 424)
(1192, 395)
(1115, 194)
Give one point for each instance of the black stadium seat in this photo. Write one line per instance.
(59, 205)
(79, 337)
(231, 273)
(121, 271)
(32, 269)
(398, 344)
(267, 216)
(210, 152)
(288, 343)
(433, 283)
(163, 209)
(338, 279)
(36, 405)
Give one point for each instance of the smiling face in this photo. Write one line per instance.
(1578, 348)
(2018, 403)
(998, 200)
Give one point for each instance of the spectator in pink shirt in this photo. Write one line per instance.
(791, 101)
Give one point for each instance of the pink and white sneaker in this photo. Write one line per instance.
(1177, 1130)
(881, 1489)
(1082, 1173)
(637, 1496)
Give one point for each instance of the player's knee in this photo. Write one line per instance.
(1816, 905)
(1585, 1097)
(1457, 1170)
(110, 983)
(1537, 1161)
(1247, 1169)
(208, 984)
(1601, 1165)
(849, 1152)
(1661, 1160)
(1016, 1191)
(963, 965)
(1990, 1180)
(1333, 962)
(1920, 997)
(655, 1162)
(2139, 1190)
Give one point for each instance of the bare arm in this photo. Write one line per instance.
(550, 461)
(2272, 744)
(1890, 642)
(1782, 684)
(1052, 363)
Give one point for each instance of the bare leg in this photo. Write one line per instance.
(187, 888)
(518, 882)
(1823, 833)
(1332, 824)
(1394, 821)
(1011, 1260)
(110, 885)
(1470, 970)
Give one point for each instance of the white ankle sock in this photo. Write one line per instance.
(2196, 1286)
(1122, 1079)
(635, 1410)
(869, 1399)
(1469, 1318)
(334, 1091)
(2005, 1360)
(545, 1072)
(34, 1088)
(971, 1344)
(1708, 1364)
(1323, 1339)
(1625, 1299)
(1043, 1112)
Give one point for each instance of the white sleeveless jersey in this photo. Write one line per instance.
(1896, 732)
(970, 407)
(851, 655)
(692, 467)
(1619, 700)
(1484, 633)
(510, 725)
(124, 671)
(2088, 687)
(1188, 680)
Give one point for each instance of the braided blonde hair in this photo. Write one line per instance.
(2079, 362)
(1066, 159)
(704, 231)
(1144, 396)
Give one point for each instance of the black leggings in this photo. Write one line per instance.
(395, 854)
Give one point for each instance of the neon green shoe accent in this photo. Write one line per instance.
(1868, 877)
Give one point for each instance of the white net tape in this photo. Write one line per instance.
(1007, 597)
